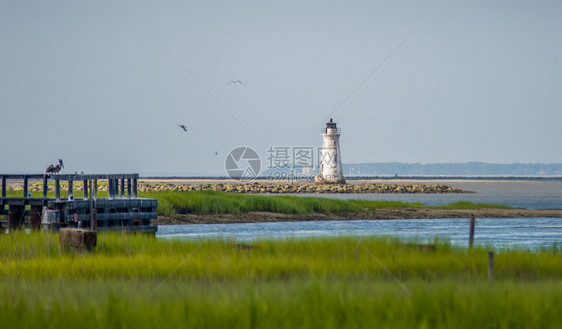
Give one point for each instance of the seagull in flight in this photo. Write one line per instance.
(234, 81)
(183, 127)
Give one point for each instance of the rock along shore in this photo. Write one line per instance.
(274, 188)
(271, 188)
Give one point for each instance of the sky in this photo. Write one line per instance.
(105, 84)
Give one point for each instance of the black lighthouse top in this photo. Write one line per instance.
(331, 124)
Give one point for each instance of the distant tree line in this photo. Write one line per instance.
(453, 169)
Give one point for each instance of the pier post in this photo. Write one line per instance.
(4, 186)
(491, 266)
(128, 188)
(35, 217)
(134, 188)
(25, 186)
(93, 224)
(45, 186)
(110, 188)
(70, 187)
(57, 188)
(15, 216)
(122, 192)
(85, 189)
(94, 190)
(115, 188)
(471, 233)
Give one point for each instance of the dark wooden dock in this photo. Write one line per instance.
(26, 201)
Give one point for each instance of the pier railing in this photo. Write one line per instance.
(121, 208)
(119, 185)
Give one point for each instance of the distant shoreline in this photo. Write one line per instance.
(354, 179)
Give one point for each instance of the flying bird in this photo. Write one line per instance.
(183, 127)
(55, 169)
(234, 81)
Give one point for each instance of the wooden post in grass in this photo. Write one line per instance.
(35, 217)
(93, 224)
(15, 216)
(491, 266)
(78, 238)
(471, 234)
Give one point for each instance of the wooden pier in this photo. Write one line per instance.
(32, 205)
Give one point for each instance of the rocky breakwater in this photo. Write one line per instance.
(269, 188)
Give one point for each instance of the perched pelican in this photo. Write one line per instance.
(55, 169)
(184, 127)
(235, 81)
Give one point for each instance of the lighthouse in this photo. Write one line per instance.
(330, 157)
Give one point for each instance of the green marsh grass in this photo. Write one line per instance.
(215, 202)
(140, 282)
(171, 203)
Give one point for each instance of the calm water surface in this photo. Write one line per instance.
(529, 233)
(518, 194)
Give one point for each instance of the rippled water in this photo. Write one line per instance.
(528, 233)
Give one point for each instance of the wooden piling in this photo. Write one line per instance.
(70, 186)
(129, 188)
(110, 188)
(35, 217)
(134, 188)
(4, 187)
(45, 186)
(15, 216)
(94, 190)
(57, 189)
(85, 189)
(78, 238)
(471, 234)
(93, 224)
(25, 186)
(491, 266)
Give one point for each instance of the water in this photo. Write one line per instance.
(527, 233)
(518, 194)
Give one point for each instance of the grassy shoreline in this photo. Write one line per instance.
(206, 207)
(215, 202)
(137, 281)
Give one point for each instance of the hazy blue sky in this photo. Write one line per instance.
(477, 81)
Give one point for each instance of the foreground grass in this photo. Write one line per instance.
(137, 281)
(299, 303)
(214, 202)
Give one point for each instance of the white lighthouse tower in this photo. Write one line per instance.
(330, 160)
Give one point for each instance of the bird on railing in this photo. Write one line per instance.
(55, 169)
